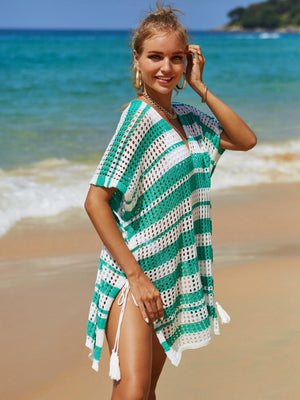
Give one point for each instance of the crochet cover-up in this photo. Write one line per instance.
(163, 210)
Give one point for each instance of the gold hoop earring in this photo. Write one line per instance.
(138, 79)
(184, 83)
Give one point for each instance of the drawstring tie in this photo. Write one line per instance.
(114, 367)
(225, 318)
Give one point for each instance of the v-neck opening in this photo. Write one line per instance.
(187, 145)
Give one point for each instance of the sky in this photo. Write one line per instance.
(108, 14)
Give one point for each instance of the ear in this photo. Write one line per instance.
(136, 60)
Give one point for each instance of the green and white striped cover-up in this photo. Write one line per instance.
(163, 210)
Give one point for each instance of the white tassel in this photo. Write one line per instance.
(225, 318)
(114, 367)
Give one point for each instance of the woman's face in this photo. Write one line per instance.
(162, 62)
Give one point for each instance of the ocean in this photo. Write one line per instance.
(60, 99)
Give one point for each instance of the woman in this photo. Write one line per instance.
(149, 202)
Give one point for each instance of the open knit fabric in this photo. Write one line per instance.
(163, 210)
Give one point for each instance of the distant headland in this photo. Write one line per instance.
(272, 15)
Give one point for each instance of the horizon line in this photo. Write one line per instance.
(87, 29)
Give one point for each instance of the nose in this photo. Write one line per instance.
(166, 65)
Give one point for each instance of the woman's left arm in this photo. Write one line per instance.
(236, 135)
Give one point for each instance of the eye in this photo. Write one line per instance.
(154, 57)
(178, 58)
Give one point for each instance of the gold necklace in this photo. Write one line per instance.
(170, 115)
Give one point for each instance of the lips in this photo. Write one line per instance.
(164, 79)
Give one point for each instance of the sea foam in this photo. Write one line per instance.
(44, 189)
(266, 163)
(55, 185)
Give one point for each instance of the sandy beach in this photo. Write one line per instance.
(48, 268)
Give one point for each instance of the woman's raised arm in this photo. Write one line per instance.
(236, 135)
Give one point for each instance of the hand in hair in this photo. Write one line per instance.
(195, 66)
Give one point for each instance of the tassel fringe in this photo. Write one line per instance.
(225, 318)
(114, 367)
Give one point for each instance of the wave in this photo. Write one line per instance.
(52, 186)
(269, 35)
(255, 35)
(44, 189)
(266, 163)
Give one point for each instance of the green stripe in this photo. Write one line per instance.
(207, 281)
(132, 110)
(169, 202)
(187, 329)
(91, 327)
(101, 322)
(97, 352)
(174, 175)
(184, 299)
(167, 253)
(111, 158)
(163, 233)
(169, 281)
(109, 290)
(111, 268)
(199, 224)
(170, 252)
(205, 252)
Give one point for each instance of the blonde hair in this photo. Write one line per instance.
(163, 19)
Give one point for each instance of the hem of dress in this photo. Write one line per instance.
(91, 347)
(175, 356)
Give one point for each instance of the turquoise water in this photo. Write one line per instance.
(60, 93)
(60, 99)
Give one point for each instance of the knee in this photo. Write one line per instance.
(137, 393)
(135, 389)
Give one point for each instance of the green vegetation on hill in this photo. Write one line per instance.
(271, 14)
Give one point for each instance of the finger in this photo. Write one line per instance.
(189, 58)
(194, 49)
(152, 310)
(160, 308)
(143, 312)
(149, 310)
(155, 308)
(197, 56)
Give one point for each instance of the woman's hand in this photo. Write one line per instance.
(236, 133)
(147, 297)
(195, 66)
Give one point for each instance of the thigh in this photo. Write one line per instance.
(158, 360)
(135, 347)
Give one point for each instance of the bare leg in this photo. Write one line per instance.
(158, 361)
(135, 351)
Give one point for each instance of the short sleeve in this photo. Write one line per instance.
(121, 162)
(211, 130)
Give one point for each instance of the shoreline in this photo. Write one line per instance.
(71, 233)
(48, 268)
(240, 29)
